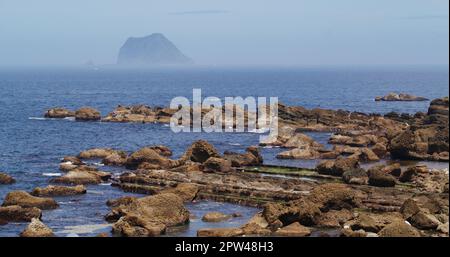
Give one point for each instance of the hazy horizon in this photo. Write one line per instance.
(229, 33)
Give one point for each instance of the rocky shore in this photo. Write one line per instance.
(342, 196)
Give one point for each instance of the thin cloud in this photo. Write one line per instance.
(200, 12)
(426, 17)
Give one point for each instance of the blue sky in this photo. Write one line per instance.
(229, 32)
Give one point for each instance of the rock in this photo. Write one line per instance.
(380, 150)
(439, 107)
(334, 219)
(220, 232)
(339, 139)
(87, 114)
(215, 217)
(200, 151)
(411, 172)
(380, 179)
(373, 222)
(299, 140)
(26, 200)
(214, 164)
(252, 157)
(399, 229)
(6, 179)
(294, 230)
(186, 191)
(73, 160)
(151, 50)
(150, 216)
(252, 229)
(333, 196)
(162, 150)
(347, 232)
(37, 229)
(99, 153)
(409, 208)
(151, 158)
(299, 153)
(393, 169)
(400, 97)
(78, 178)
(67, 166)
(365, 155)
(115, 159)
(15, 213)
(282, 214)
(125, 200)
(423, 220)
(58, 113)
(59, 191)
(443, 228)
(355, 176)
(338, 167)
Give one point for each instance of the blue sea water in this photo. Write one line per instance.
(31, 147)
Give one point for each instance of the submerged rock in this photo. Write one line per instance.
(400, 97)
(215, 217)
(6, 179)
(59, 190)
(26, 200)
(37, 229)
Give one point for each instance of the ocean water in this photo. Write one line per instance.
(31, 147)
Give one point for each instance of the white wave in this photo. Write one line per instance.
(83, 229)
(38, 118)
(236, 144)
(50, 174)
(105, 184)
(70, 118)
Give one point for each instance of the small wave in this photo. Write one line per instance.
(38, 118)
(98, 164)
(105, 184)
(235, 144)
(70, 118)
(50, 174)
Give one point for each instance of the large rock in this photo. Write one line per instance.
(337, 167)
(293, 230)
(59, 190)
(334, 218)
(380, 179)
(58, 113)
(334, 196)
(26, 200)
(200, 151)
(87, 114)
(299, 140)
(214, 164)
(252, 157)
(115, 159)
(186, 191)
(355, 176)
(424, 220)
(16, 213)
(6, 179)
(37, 229)
(151, 158)
(281, 214)
(150, 216)
(399, 229)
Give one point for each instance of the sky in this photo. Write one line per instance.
(229, 32)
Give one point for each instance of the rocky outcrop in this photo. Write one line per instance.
(23, 199)
(82, 177)
(37, 229)
(149, 158)
(399, 229)
(355, 176)
(427, 138)
(87, 114)
(379, 178)
(149, 216)
(16, 213)
(6, 179)
(58, 113)
(400, 97)
(186, 191)
(220, 232)
(59, 191)
(99, 153)
(214, 164)
(337, 167)
(200, 151)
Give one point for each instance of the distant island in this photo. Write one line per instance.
(152, 50)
